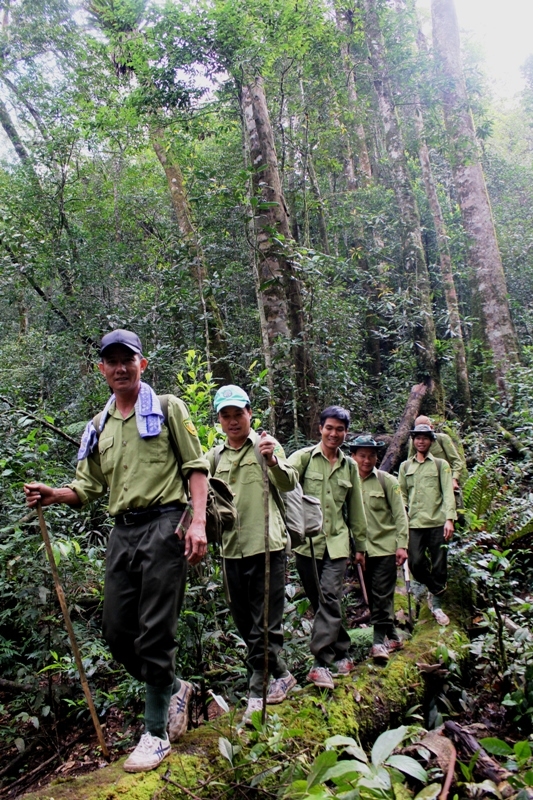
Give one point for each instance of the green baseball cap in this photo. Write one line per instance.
(230, 396)
(364, 441)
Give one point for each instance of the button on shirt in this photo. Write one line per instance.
(387, 523)
(242, 471)
(140, 473)
(334, 486)
(427, 491)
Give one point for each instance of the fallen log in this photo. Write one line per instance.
(410, 413)
(467, 745)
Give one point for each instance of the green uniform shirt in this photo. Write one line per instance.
(443, 447)
(333, 486)
(140, 473)
(242, 471)
(387, 524)
(427, 492)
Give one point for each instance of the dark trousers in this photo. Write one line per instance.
(245, 587)
(329, 640)
(428, 557)
(380, 579)
(144, 586)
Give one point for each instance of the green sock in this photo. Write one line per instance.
(156, 709)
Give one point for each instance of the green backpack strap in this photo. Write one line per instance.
(274, 489)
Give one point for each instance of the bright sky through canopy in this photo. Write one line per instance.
(504, 30)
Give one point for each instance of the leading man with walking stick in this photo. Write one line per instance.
(128, 450)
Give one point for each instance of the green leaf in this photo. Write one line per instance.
(409, 766)
(226, 749)
(429, 792)
(343, 769)
(357, 752)
(522, 751)
(321, 764)
(386, 743)
(339, 741)
(497, 747)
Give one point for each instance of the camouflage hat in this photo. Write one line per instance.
(364, 441)
(427, 430)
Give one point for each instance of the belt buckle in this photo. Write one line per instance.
(128, 518)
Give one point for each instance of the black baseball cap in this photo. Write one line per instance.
(121, 336)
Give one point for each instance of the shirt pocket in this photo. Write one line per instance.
(313, 483)
(376, 500)
(105, 449)
(249, 470)
(154, 449)
(341, 489)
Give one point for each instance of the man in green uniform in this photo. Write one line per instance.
(387, 535)
(238, 462)
(130, 454)
(325, 472)
(426, 484)
(442, 447)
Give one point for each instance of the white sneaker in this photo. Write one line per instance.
(440, 616)
(321, 677)
(178, 711)
(438, 613)
(279, 688)
(254, 704)
(148, 754)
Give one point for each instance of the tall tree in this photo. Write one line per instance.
(484, 254)
(414, 259)
(131, 55)
(280, 285)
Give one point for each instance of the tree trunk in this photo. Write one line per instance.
(345, 27)
(410, 413)
(483, 250)
(280, 285)
(216, 344)
(413, 250)
(445, 261)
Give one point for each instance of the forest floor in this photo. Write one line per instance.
(66, 763)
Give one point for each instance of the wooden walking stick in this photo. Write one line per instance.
(266, 514)
(71, 635)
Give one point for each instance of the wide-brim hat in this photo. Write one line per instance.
(426, 430)
(230, 396)
(364, 441)
(120, 336)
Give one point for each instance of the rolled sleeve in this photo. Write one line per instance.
(89, 483)
(284, 476)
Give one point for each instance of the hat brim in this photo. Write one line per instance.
(377, 446)
(134, 350)
(230, 402)
(429, 434)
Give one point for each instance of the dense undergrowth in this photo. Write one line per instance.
(488, 682)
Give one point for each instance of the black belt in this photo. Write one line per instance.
(140, 515)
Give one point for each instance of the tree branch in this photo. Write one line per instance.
(41, 421)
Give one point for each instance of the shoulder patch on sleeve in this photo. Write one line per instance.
(189, 426)
(397, 489)
(279, 451)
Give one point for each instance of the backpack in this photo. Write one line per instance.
(220, 512)
(301, 513)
